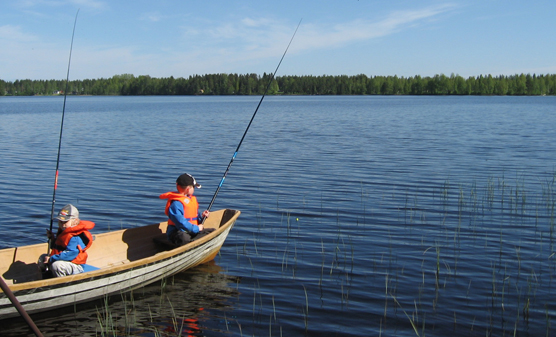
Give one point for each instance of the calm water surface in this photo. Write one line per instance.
(384, 216)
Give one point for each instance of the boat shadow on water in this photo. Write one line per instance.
(178, 305)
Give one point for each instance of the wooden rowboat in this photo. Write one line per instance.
(127, 259)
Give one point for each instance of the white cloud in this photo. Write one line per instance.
(261, 38)
(249, 22)
(257, 40)
(153, 16)
(207, 47)
(61, 3)
(89, 3)
(315, 36)
(15, 33)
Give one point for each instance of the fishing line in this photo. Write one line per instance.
(251, 121)
(62, 129)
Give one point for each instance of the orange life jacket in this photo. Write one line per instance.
(190, 206)
(81, 230)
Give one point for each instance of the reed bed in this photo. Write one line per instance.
(450, 259)
(460, 259)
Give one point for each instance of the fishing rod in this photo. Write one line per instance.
(251, 121)
(5, 288)
(61, 130)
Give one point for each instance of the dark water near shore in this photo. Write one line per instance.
(391, 216)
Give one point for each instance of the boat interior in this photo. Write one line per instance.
(20, 264)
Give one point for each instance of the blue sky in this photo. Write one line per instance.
(180, 38)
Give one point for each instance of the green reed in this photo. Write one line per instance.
(474, 208)
(487, 219)
(306, 310)
(411, 321)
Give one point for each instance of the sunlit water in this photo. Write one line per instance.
(392, 216)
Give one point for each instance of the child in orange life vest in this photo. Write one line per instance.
(69, 246)
(182, 209)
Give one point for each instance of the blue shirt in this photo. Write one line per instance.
(71, 250)
(176, 214)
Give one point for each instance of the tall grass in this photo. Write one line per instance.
(475, 259)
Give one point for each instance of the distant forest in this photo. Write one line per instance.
(253, 84)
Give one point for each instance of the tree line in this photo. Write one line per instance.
(253, 84)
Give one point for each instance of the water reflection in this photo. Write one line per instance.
(178, 306)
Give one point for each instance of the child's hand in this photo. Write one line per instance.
(206, 214)
(201, 227)
(48, 234)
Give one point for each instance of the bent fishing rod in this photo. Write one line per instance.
(251, 121)
(61, 130)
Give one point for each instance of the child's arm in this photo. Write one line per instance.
(71, 251)
(175, 213)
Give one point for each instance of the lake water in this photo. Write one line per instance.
(361, 215)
